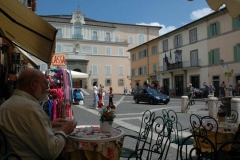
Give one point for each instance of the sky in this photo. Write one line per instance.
(169, 14)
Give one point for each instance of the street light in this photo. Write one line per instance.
(222, 62)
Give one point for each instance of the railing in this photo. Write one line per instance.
(107, 39)
(77, 36)
(75, 57)
(94, 38)
(178, 65)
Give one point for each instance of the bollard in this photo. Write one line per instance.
(184, 104)
(235, 105)
(212, 107)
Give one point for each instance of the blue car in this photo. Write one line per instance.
(151, 96)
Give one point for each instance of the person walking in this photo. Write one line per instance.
(190, 93)
(230, 89)
(205, 90)
(95, 95)
(211, 90)
(100, 104)
(103, 95)
(222, 89)
(110, 96)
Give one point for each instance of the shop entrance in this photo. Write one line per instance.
(216, 84)
(195, 81)
(166, 86)
(77, 83)
(179, 85)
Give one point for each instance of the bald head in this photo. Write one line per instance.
(28, 75)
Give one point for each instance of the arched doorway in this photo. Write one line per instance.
(77, 83)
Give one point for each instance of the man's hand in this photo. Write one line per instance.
(68, 127)
(58, 122)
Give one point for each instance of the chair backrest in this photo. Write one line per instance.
(161, 134)
(3, 143)
(234, 116)
(145, 129)
(197, 152)
(233, 153)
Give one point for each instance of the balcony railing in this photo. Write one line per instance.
(178, 65)
(94, 38)
(77, 36)
(107, 39)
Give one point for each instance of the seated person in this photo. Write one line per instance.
(78, 96)
(27, 127)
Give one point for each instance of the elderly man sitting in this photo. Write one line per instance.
(27, 127)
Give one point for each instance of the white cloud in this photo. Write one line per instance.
(163, 30)
(200, 13)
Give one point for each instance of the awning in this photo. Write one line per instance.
(78, 75)
(233, 6)
(29, 58)
(27, 30)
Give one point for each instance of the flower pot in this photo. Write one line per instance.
(105, 126)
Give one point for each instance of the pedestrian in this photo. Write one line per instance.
(78, 96)
(205, 90)
(26, 125)
(126, 90)
(100, 104)
(103, 95)
(95, 95)
(110, 96)
(211, 89)
(222, 89)
(230, 89)
(190, 93)
(130, 91)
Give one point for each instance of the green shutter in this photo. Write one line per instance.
(218, 27)
(236, 54)
(210, 58)
(209, 31)
(216, 56)
(234, 23)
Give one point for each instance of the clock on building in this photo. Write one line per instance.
(77, 16)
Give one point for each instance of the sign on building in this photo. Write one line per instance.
(58, 60)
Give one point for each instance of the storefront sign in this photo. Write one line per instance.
(58, 60)
(227, 74)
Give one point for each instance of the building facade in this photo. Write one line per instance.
(203, 51)
(98, 48)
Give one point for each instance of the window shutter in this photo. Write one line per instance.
(236, 54)
(210, 58)
(59, 48)
(180, 40)
(209, 31)
(94, 69)
(234, 23)
(174, 42)
(218, 27)
(216, 56)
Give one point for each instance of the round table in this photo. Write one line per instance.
(88, 142)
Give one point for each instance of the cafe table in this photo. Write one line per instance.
(226, 131)
(88, 142)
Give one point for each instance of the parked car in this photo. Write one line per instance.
(151, 96)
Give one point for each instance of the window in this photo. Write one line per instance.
(67, 48)
(108, 70)
(121, 82)
(213, 56)
(145, 70)
(94, 50)
(214, 29)
(193, 35)
(140, 39)
(154, 67)
(108, 82)
(154, 49)
(130, 40)
(142, 54)
(86, 49)
(237, 52)
(140, 71)
(133, 57)
(59, 32)
(117, 38)
(94, 37)
(77, 32)
(133, 72)
(120, 70)
(108, 51)
(58, 48)
(43, 67)
(94, 69)
(120, 51)
(177, 41)
(236, 22)
(194, 58)
(165, 45)
(107, 38)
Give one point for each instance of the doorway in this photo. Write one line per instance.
(195, 81)
(216, 84)
(179, 85)
(166, 86)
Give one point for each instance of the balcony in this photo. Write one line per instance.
(181, 65)
(108, 39)
(94, 38)
(76, 57)
(77, 36)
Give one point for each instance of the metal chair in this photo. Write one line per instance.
(11, 155)
(177, 131)
(197, 152)
(158, 148)
(233, 154)
(234, 116)
(142, 138)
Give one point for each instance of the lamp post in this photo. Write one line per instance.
(222, 62)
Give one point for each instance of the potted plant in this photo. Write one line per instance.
(107, 115)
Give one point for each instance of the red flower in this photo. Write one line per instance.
(107, 114)
(112, 107)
